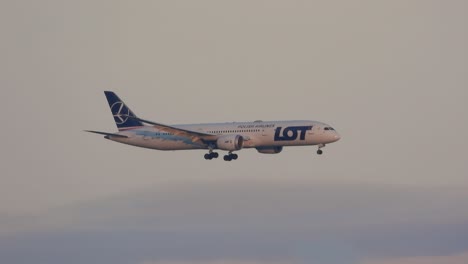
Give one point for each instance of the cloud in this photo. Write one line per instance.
(461, 258)
(219, 262)
(243, 222)
(240, 206)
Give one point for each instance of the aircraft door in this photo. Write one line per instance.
(316, 130)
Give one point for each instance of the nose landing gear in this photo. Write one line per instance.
(319, 151)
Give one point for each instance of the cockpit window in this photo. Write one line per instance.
(329, 128)
(326, 128)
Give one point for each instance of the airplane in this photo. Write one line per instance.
(267, 137)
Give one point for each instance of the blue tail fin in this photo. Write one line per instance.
(121, 112)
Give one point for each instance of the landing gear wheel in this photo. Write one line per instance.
(227, 157)
(319, 151)
(211, 155)
(234, 156)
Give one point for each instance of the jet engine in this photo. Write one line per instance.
(230, 142)
(270, 150)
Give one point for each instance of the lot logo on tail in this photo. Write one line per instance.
(120, 112)
(291, 133)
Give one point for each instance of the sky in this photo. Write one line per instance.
(390, 76)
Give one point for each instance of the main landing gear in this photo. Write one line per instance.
(319, 151)
(230, 156)
(213, 155)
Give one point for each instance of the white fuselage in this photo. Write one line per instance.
(255, 134)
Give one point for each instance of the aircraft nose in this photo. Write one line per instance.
(336, 136)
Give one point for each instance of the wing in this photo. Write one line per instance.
(193, 135)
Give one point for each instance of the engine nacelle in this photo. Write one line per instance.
(270, 150)
(230, 142)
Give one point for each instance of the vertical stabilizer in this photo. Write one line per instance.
(121, 112)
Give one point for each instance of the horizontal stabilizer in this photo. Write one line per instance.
(107, 134)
